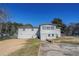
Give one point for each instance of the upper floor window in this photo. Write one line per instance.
(47, 28)
(52, 28)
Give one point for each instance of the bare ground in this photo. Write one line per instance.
(30, 48)
(11, 45)
(61, 47)
(65, 46)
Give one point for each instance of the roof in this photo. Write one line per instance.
(28, 27)
(35, 27)
(48, 24)
(25, 27)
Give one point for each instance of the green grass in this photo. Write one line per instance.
(31, 48)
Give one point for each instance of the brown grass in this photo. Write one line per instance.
(30, 49)
(74, 40)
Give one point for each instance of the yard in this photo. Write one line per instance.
(10, 45)
(33, 47)
(30, 48)
(64, 46)
(67, 39)
(19, 47)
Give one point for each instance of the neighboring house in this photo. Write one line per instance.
(45, 31)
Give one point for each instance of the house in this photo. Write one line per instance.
(48, 31)
(43, 32)
(27, 33)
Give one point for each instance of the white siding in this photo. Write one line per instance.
(27, 33)
(49, 33)
(58, 31)
(45, 32)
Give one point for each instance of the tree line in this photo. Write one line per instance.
(70, 30)
(8, 28)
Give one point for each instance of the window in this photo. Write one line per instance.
(45, 28)
(52, 34)
(48, 28)
(48, 35)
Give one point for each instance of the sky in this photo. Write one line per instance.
(41, 13)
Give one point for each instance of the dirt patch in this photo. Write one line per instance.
(29, 49)
(11, 45)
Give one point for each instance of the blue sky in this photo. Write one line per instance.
(37, 14)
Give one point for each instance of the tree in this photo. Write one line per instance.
(59, 24)
(3, 19)
(28, 25)
(72, 29)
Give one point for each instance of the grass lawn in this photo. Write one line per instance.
(73, 40)
(30, 48)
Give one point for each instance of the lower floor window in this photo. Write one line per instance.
(52, 34)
